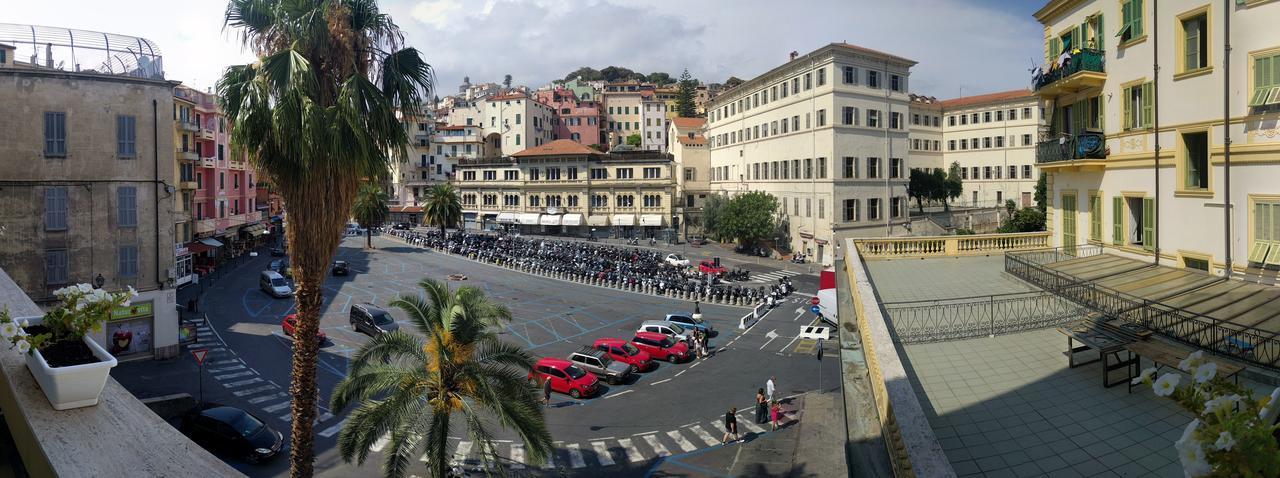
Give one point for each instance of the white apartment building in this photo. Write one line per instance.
(692, 166)
(509, 122)
(1137, 156)
(925, 137)
(623, 103)
(653, 114)
(992, 138)
(827, 134)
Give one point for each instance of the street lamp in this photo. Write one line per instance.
(99, 281)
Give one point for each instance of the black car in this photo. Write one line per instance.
(281, 266)
(233, 431)
(371, 320)
(340, 268)
(277, 251)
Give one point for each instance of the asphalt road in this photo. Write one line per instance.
(671, 410)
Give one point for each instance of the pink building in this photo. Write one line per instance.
(572, 118)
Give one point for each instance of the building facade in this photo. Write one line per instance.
(510, 122)
(571, 117)
(826, 133)
(623, 103)
(1138, 141)
(564, 187)
(992, 139)
(89, 187)
(692, 169)
(184, 167)
(925, 137)
(655, 114)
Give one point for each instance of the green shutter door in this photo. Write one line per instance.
(1069, 224)
(1149, 224)
(1191, 46)
(1148, 100)
(1126, 20)
(1095, 218)
(1273, 232)
(1137, 13)
(1261, 232)
(1079, 112)
(1100, 34)
(1117, 220)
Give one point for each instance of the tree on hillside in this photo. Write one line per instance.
(749, 218)
(506, 81)
(732, 82)
(634, 140)
(615, 73)
(585, 73)
(658, 78)
(317, 114)
(370, 210)
(686, 96)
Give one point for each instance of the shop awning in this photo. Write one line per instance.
(209, 241)
(528, 219)
(651, 220)
(197, 247)
(507, 217)
(624, 220)
(598, 220)
(550, 220)
(572, 220)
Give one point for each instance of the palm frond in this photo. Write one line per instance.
(421, 313)
(387, 348)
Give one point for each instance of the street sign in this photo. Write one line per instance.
(199, 355)
(815, 309)
(814, 300)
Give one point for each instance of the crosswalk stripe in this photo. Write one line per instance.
(234, 375)
(380, 443)
(277, 407)
(226, 369)
(575, 456)
(223, 362)
(517, 456)
(602, 453)
(244, 382)
(680, 440)
(704, 435)
(750, 424)
(324, 417)
(251, 391)
(460, 454)
(267, 398)
(657, 446)
(632, 453)
(332, 430)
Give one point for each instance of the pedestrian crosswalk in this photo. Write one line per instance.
(768, 277)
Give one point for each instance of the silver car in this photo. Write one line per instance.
(666, 328)
(599, 363)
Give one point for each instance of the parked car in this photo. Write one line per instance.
(710, 267)
(698, 240)
(599, 363)
(367, 318)
(676, 260)
(232, 431)
(274, 284)
(280, 266)
(340, 268)
(665, 328)
(565, 377)
(661, 347)
(277, 251)
(622, 351)
(687, 321)
(290, 325)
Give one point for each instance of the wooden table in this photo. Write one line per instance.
(1109, 346)
(1166, 355)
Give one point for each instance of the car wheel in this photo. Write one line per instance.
(634, 368)
(573, 392)
(672, 358)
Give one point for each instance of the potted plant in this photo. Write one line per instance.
(70, 367)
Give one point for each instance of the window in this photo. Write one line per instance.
(964, 173)
(808, 81)
(517, 139)
(873, 168)
(895, 120)
(652, 200)
(951, 120)
(850, 167)
(873, 118)
(55, 266)
(851, 211)
(974, 172)
(951, 145)
(623, 173)
(55, 208)
(873, 209)
(1194, 263)
(127, 206)
(808, 168)
(491, 175)
(1095, 217)
(822, 168)
(986, 172)
(126, 136)
(873, 79)
(468, 175)
(534, 200)
(128, 261)
(895, 82)
(510, 175)
(964, 144)
(1026, 140)
(822, 76)
(1117, 220)
(964, 120)
(599, 173)
(973, 118)
(986, 142)
(55, 134)
(822, 118)
(895, 168)
(1265, 248)
(1195, 160)
(1026, 171)
(1013, 172)
(626, 200)
(1266, 81)
(1131, 14)
(573, 173)
(652, 173)
(1013, 114)
(850, 75)
(1000, 141)
(999, 115)
(795, 206)
(1195, 41)
(850, 115)
(1138, 102)
(795, 123)
(895, 207)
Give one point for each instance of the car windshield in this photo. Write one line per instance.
(630, 349)
(245, 424)
(676, 329)
(574, 372)
(382, 319)
(277, 282)
(677, 257)
(667, 342)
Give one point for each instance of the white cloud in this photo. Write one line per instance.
(436, 13)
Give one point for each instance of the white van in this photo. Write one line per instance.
(274, 284)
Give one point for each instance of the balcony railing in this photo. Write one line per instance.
(207, 162)
(185, 155)
(1087, 60)
(1072, 147)
(213, 225)
(188, 125)
(237, 165)
(950, 246)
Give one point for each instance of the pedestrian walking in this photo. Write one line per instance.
(730, 425)
(775, 413)
(546, 391)
(702, 346)
(761, 406)
(768, 388)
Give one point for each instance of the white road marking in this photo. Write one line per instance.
(251, 391)
(246, 382)
(773, 334)
(681, 441)
(517, 456)
(380, 443)
(226, 369)
(704, 435)
(661, 381)
(633, 455)
(337, 427)
(657, 446)
(267, 398)
(624, 392)
(677, 373)
(602, 453)
(234, 375)
(785, 347)
(324, 417)
(575, 456)
(460, 454)
(750, 424)
(223, 362)
(277, 407)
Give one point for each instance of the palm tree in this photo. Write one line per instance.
(442, 208)
(316, 113)
(370, 209)
(410, 387)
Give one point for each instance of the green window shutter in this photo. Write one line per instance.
(1126, 20)
(1100, 34)
(1149, 223)
(1095, 218)
(1261, 232)
(1102, 117)
(1191, 45)
(1148, 101)
(1273, 257)
(1117, 220)
(1078, 114)
(1126, 107)
(1138, 14)
(1263, 78)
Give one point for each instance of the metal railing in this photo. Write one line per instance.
(1072, 147)
(1239, 341)
(967, 317)
(83, 51)
(949, 246)
(1087, 59)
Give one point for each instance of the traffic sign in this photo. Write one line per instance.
(199, 355)
(814, 300)
(815, 309)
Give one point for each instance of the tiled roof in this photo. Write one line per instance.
(509, 96)
(694, 141)
(559, 147)
(689, 123)
(1000, 97)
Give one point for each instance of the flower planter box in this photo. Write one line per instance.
(73, 386)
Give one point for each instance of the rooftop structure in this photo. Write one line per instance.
(82, 51)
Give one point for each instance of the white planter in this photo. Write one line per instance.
(75, 386)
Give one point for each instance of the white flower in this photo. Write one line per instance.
(85, 288)
(1166, 384)
(1217, 403)
(8, 329)
(1206, 371)
(23, 346)
(1146, 374)
(1191, 454)
(133, 292)
(1188, 432)
(1225, 441)
(1192, 361)
(26, 323)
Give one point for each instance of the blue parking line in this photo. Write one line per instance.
(573, 321)
(619, 321)
(553, 331)
(513, 332)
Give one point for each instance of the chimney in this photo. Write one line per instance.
(794, 54)
(48, 55)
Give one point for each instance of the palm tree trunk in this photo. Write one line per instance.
(368, 235)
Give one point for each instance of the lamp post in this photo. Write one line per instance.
(99, 281)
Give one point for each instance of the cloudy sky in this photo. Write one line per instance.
(962, 46)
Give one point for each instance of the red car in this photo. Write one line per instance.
(709, 267)
(626, 352)
(565, 377)
(290, 324)
(661, 347)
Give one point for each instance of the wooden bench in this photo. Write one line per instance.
(1094, 337)
(1166, 355)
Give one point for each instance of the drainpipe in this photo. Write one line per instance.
(155, 187)
(1155, 114)
(1226, 135)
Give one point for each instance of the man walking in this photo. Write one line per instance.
(768, 388)
(730, 425)
(546, 391)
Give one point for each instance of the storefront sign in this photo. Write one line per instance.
(186, 334)
(180, 250)
(135, 310)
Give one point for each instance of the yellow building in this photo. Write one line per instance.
(184, 167)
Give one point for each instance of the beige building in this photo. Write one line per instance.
(89, 192)
(992, 138)
(623, 103)
(692, 161)
(1137, 156)
(655, 115)
(184, 172)
(509, 122)
(827, 134)
(564, 187)
(925, 138)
